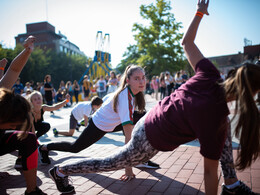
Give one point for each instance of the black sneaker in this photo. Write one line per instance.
(149, 164)
(77, 127)
(37, 191)
(18, 164)
(242, 189)
(44, 156)
(62, 183)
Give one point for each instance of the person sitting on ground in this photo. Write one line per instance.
(15, 112)
(80, 111)
(196, 110)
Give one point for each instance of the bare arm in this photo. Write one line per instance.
(17, 64)
(211, 176)
(56, 106)
(86, 120)
(191, 50)
(128, 170)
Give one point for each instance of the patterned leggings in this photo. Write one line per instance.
(226, 159)
(136, 151)
(139, 150)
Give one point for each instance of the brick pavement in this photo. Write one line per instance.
(181, 170)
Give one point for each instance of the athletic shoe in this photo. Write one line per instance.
(18, 164)
(149, 164)
(52, 112)
(37, 191)
(82, 123)
(55, 131)
(62, 183)
(44, 156)
(242, 189)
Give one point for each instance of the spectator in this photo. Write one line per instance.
(86, 87)
(112, 82)
(48, 91)
(76, 89)
(101, 87)
(18, 87)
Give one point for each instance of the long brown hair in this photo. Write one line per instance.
(139, 98)
(15, 108)
(241, 85)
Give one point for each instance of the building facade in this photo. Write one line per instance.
(46, 38)
(251, 54)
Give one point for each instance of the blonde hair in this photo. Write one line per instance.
(32, 94)
(241, 85)
(139, 98)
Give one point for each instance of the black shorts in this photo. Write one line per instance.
(86, 93)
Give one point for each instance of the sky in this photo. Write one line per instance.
(221, 33)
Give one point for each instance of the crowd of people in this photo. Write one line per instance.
(190, 108)
(165, 84)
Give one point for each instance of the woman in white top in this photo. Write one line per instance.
(117, 109)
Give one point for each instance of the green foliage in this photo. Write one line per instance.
(60, 66)
(158, 45)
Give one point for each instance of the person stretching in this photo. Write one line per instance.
(196, 110)
(117, 109)
(80, 111)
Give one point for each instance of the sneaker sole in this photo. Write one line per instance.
(146, 166)
(56, 185)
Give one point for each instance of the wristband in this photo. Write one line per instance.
(67, 101)
(200, 14)
(2, 68)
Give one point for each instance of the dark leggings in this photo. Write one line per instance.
(41, 128)
(89, 136)
(27, 148)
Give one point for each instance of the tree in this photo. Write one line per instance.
(158, 45)
(60, 65)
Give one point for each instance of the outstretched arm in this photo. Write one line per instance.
(17, 64)
(56, 106)
(191, 50)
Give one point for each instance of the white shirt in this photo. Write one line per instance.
(81, 109)
(106, 119)
(101, 85)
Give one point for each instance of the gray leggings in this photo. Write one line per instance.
(139, 150)
(136, 151)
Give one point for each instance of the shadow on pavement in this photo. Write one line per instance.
(13, 182)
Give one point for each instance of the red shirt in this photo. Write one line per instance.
(198, 109)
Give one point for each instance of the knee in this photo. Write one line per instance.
(75, 150)
(47, 127)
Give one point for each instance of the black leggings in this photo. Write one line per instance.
(41, 128)
(27, 148)
(89, 136)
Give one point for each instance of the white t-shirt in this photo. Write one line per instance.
(106, 119)
(81, 109)
(101, 86)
